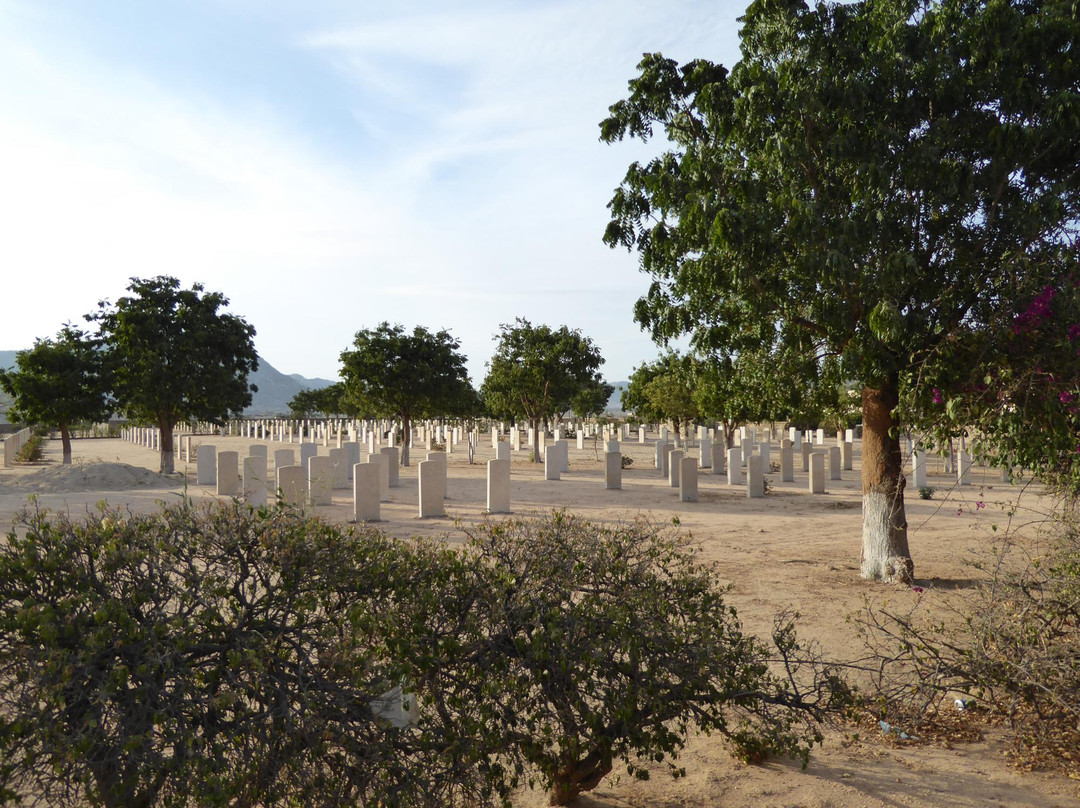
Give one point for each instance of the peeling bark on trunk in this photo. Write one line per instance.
(885, 554)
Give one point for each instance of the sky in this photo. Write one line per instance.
(331, 164)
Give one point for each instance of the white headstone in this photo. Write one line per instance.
(787, 461)
(206, 464)
(339, 468)
(256, 483)
(320, 480)
(918, 467)
(431, 480)
(498, 484)
(755, 476)
(393, 458)
(817, 473)
(366, 492)
(292, 485)
(688, 482)
(552, 463)
(228, 474)
(613, 471)
(675, 458)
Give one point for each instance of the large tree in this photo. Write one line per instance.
(663, 390)
(174, 356)
(538, 372)
(392, 373)
(59, 382)
(767, 384)
(872, 179)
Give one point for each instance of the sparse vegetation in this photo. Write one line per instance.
(1010, 649)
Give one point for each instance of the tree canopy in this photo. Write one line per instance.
(322, 400)
(663, 390)
(58, 383)
(392, 373)
(538, 372)
(174, 356)
(870, 182)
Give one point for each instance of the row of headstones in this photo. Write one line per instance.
(13, 444)
(427, 433)
(338, 431)
(150, 437)
(582, 430)
(284, 430)
(672, 463)
(961, 463)
(314, 479)
(556, 462)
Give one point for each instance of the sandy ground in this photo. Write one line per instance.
(788, 549)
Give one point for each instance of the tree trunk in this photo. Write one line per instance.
(581, 775)
(166, 428)
(65, 441)
(406, 434)
(535, 423)
(885, 554)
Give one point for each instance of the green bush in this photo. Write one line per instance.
(33, 451)
(214, 656)
(616, 641)
(231, 656)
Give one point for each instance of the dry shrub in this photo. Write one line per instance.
(1011, 651)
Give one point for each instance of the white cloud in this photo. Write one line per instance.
(474, 191)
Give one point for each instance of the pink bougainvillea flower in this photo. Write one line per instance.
(1065, 396)
(938, 398)
(1036, 312)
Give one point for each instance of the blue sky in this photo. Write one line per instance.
(330, 165)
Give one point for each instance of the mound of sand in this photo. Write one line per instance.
(91, 477)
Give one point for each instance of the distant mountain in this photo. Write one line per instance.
(275, 388)
(614, 404)
(310, 384)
